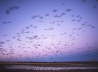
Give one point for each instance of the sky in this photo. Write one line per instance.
(48, 30)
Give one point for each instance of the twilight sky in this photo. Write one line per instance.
(49, 30)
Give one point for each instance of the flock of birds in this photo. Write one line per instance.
(45, 40)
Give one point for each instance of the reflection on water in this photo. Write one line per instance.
(28, 67)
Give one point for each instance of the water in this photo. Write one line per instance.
(28, 67)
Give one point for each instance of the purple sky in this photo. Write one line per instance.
(48, 30)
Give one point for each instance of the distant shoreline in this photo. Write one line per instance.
(52, 63)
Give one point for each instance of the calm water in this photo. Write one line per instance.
(28, 67)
